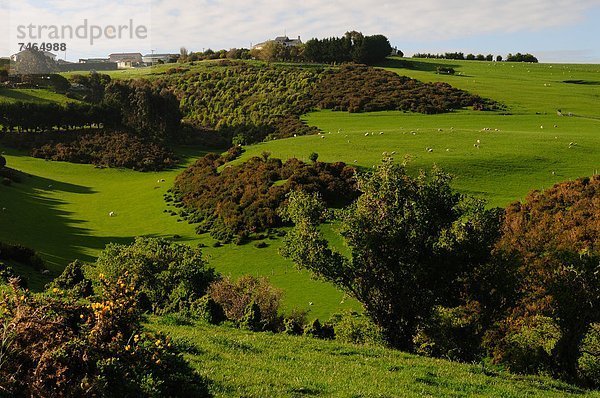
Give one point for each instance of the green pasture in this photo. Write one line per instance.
(247, 364)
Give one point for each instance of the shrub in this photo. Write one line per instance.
(245, 198)
(209, 310)
(21, 254)
(252, 319)
(319, 331)
(73, 280)
(169, 275)
(452, 333)
(2, 161)
(413, 239)
(355, 328)
(589, 359)
(8, 275)
(295, 322)
(552, 241)
(57, 346)
(107, 149)
(313, 157)
(528, 344)
(236, 297)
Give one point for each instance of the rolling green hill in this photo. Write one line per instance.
(63, 209)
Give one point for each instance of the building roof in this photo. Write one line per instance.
(125, 54)
(161, 55)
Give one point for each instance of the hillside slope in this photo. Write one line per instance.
(246, 364)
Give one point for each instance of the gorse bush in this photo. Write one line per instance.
(355, 328)
(245, 198)
(169, 276)
(73, 281)
(452, 333)
(357, 88)
(55, 346)
(108, 149)
(551, 242)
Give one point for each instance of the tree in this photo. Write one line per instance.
(183, 54)
(411, 240)
(499, 58)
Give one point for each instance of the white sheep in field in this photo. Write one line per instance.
(366, 134)
(111, 214)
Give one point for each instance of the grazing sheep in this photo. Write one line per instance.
(440, 130)
(310, 303)
(46, 272)
(111, 214)
(366, 134)
(393, 152)
(381, 133)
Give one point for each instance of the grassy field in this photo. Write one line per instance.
(246, 364)
(507, 163)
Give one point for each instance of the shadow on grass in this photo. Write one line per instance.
(415, 65)
(22, 96)
(31, 217)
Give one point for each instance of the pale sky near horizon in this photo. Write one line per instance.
(555, 31)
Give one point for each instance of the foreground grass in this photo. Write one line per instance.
(246, 364)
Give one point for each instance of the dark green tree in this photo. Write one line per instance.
(411, 240)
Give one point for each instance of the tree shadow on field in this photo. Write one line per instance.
(415, 65)
(31, 216)
(21, 96)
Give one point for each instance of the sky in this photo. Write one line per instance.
(554, 31)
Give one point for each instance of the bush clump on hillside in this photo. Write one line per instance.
(170, 277)
(250, 302)
(245, 198)
(112, 149)
(358, 88)
(552, 242)
(412, 240)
